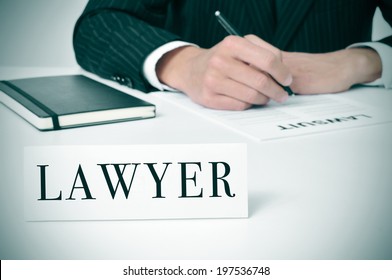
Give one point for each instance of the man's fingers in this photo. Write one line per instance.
(224, 102)
(259, 57)
(240, 92)
(259, 81)
(252, 85)
(263, 44)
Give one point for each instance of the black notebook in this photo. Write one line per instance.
(51, 103)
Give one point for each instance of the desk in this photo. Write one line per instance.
(321, 196)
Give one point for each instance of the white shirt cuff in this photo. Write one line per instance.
(149, 66)
(385, 53)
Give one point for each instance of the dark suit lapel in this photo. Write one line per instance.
(290, 14)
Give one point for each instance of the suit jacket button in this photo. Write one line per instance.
(128, 82)
(122, 80)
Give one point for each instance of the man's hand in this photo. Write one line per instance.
(240, 72)
(332, 72)
(233, 75)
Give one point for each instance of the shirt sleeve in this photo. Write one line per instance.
(149, 66)
(385, 53)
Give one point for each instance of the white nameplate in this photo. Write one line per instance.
(135, 182)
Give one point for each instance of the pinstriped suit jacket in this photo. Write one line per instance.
(113, 37)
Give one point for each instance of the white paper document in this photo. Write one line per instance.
(299, 115)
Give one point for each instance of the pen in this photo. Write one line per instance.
(232, 31)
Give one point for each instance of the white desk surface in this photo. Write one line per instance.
(321, 196)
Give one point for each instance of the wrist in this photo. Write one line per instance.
(172, 68)
(364, 65)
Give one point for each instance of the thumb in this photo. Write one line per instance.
(267, 46)
(263, 44)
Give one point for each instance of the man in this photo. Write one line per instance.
(313, 46)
